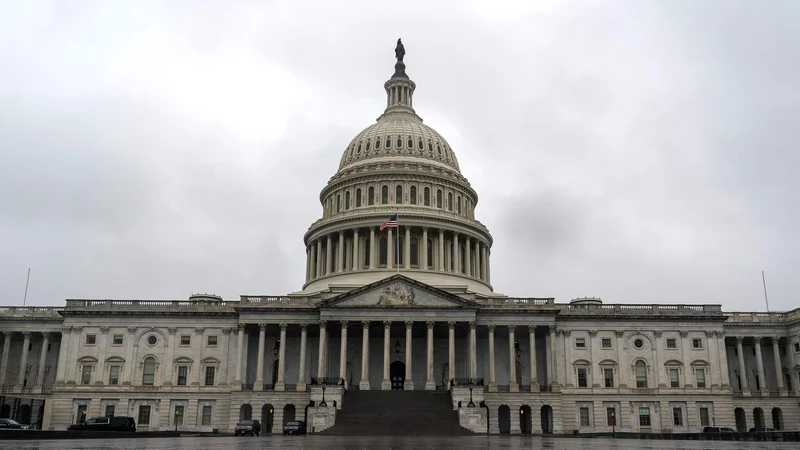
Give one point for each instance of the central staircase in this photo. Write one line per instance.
(420, 413)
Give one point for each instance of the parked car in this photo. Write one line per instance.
(251, 427)
(294, 427)
(9, 424)
(110, 423)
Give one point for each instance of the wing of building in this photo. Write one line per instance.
(398, 297)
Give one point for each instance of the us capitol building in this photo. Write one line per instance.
(406, 308)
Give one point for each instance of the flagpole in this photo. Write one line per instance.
(398, 242)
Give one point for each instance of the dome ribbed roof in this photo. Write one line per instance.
(415, 139)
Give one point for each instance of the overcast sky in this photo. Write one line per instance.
(637, 151)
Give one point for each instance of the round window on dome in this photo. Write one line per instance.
(638, 343)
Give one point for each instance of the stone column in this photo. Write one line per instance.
(130, 364)
(407, 249)
(468, 257)
(532, 351)
(7, 349)
(513, 385)
(722, 355)
(340, 253)
(477, 253)
(686, 346)
(552, 358)
(329, 256)
(408, 385)
(240, 354)
(742, 368)
(430, 383)
(355, 262)
(456, 254)
(301, 371)
(488, 266)
(760, 365)
(423, 258)
(777, 357)
(102, 344)
(43, 359)
(492, 370)
(621, 361)
(364, 384)
(26, 336)
(373, 262)
(63, 351)
(318, 262)
(308, 262)
(343, 354)
(321, 355)
(484, 264)
(712, 376)
(451, 358)
(389, 249)
(514, 425)
(259, 385)
(441, 250)
(793, 386)
(198, 356)
(386, 384)
(473, 350)
(657, 362)
(280, 384)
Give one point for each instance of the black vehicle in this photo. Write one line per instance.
(8, 424)
(111, 423)
(294, 427)
(251, 427)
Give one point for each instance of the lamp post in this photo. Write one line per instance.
(471, 404)
(397, 347)
(322, 404)
(175, 419)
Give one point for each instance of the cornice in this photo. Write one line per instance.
(639, 317)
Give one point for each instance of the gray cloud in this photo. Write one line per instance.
(634, 151)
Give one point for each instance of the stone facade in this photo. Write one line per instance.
(409, 307)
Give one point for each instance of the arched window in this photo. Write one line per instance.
(449, 201)
(383, 250)
(367, 251)
(399, 142)
(458, 204)
(414, 251)
(419, 144)
(430, 147)
(438, 198)
(388, 142)
(338, 202)
(385, 195)
(371, 196)
(149, 371)
(358, 198)
(426, 197)
(368, 142)
(347, 200)
(438, 149)
(398, 194)
(640, 369)
(410, 143)
(412, 195)
(429, 261)
(378, 144)
(358, 151)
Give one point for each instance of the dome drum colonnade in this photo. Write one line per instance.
(398, 166)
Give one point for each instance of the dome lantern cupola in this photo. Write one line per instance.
(399, 88)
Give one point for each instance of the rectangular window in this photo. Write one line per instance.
(611, 417)
(210, 372)
(582, 382)
(644, 417)
(186, 339)
(580, 343)
(86, 374)
(81, 417)
(144, 415)
(117, 339)
(113, 375)
(91, 339)
(206, 417)
(211, 341)
(700, 375)
(605, 342)
(584, 413)
(677, 417)
(608, 375)
(697, 343)
(674, 380)
(183, 372)
(797, 347)
(672, 343)
(110, 410)
(704, 422)
(178, 416)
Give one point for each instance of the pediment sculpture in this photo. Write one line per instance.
(398, 294)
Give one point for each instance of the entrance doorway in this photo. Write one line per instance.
(397, 375)
(547, 419)
(504, 419)
(525, 419)
(267, 418)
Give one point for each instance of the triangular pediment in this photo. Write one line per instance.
(398, 291)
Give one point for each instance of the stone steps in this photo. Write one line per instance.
(397, 413)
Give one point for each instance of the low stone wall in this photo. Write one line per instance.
(320, 419)
(64, 434)
(473, 419)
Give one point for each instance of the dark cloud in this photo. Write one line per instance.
(634, 151)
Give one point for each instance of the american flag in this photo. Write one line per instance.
(391, 223)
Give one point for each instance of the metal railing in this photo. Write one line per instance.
(545, 388)
(327, 381)
(467, 382)
(268, 387)
(247, 386)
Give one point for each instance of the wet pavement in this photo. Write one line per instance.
(382, 442)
